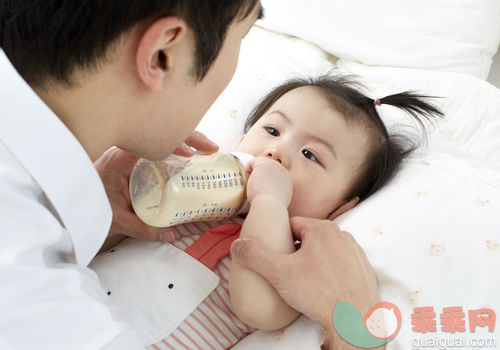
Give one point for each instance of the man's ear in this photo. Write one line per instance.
(153, 55)
(343, 208)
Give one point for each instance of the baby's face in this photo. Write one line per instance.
(321, 151)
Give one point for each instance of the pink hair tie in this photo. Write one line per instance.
(377, 102)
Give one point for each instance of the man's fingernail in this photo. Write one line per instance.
(188, 149)
(235, 248)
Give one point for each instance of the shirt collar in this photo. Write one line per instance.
(56, 161)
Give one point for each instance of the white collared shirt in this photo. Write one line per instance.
(54, 217)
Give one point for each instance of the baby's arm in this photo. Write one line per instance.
(253, 299)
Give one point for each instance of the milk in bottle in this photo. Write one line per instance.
(179, 189)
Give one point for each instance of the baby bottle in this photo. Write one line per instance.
(179, 189)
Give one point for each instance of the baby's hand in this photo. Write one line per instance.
(268, 177)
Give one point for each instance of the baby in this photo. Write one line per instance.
(320, 147)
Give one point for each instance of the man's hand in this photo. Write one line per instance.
(115, 167)
(268, 177)
(328, 267)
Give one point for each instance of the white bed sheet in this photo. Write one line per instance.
(432, 233)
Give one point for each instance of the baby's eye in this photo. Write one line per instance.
(272, 131)
(309, 155)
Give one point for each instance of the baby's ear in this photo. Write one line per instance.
(351, 203)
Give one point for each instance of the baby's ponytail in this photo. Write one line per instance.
(393, 147)
(413, 103)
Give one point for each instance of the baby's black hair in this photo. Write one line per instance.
(344, 94)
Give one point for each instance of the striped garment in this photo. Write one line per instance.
(213, 325)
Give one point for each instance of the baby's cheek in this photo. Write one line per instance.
(295, 209)
(305, 204)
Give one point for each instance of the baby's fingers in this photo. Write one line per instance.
(249, 168)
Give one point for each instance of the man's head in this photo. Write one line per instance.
(135, 74)
(49, 39)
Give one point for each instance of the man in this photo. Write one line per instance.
(137, 75)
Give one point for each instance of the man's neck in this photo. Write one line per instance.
(86, 110)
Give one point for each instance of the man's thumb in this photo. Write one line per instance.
(253, 255)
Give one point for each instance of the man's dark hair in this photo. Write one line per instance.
(50, 38)
(345, 96)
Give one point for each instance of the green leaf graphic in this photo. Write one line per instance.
(349, 324)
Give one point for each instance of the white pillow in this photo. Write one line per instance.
(447, 35)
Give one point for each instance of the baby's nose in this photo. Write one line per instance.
(274, 156)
